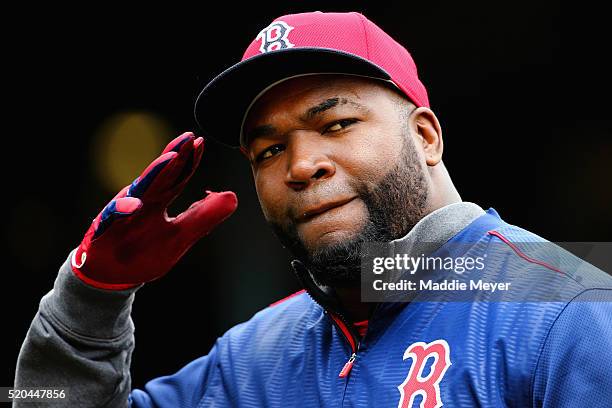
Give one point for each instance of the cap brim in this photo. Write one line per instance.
(220, 107)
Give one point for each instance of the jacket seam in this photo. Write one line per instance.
(215, 365)
(545, 339)
(539, 263)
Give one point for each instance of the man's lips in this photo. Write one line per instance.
(312, 212)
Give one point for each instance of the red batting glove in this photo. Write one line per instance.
(133, 240)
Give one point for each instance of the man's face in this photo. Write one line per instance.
(322, 148)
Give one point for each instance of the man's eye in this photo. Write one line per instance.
(269, 152)
(339, 125)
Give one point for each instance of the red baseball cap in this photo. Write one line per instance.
(303, 44)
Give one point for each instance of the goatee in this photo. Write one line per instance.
(394, 207)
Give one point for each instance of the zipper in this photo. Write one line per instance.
(350, 336)
(348, 366)
(341, 322)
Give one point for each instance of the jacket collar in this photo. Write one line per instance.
(429, 234)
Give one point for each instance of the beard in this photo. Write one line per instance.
(394, 206)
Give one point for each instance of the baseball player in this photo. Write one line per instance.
(345, 151)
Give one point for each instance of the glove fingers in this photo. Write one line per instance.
(122, 193)
(163, 163)
(204, 215)
(164, 187)
(148, 176)
(177, 142)
(121, 207)
(192, 163)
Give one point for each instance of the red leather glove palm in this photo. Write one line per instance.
(133, 240)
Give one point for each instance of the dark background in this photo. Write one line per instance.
(521, 89)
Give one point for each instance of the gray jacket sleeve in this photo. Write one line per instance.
(81, 340)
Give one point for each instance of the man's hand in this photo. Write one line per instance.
(133, 240)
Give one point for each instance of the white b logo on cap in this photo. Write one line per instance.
(274, 37)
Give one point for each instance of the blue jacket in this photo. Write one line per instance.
(513, 351)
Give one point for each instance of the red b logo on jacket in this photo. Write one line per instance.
(428, 387)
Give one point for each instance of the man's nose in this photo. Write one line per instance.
(308, 160)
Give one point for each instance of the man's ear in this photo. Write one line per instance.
(428, 132)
